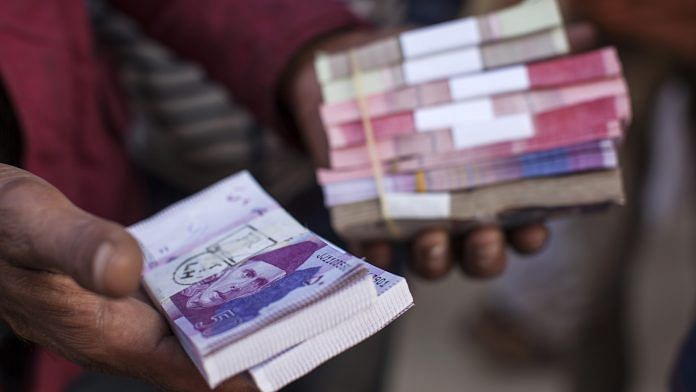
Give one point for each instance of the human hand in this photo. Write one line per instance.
(68, 280)
(481, 253)
(667, 25)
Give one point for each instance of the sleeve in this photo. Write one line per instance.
(244, 44)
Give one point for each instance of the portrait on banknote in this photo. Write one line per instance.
(239, 293)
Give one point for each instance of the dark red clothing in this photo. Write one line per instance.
(61, 95)
(71, 112)
(72, 115)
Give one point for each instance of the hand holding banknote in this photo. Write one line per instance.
(66, 277)
(482, 251)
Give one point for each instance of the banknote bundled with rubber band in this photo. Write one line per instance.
(247, 288)
(421, 125)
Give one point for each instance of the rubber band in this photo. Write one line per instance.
(421, 183)
(376, 163)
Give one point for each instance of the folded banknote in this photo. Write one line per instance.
(393, 299)
(474, 112)
(579, 68)
(509, 204)
(241, 282)
(553, 125)
(599, 155)
(528, 17)
(482, 118)
(537, 46)
(504, 117)
(611, 131)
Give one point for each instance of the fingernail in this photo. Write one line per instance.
(436, 252)
(486, 255)
(101, 260)
(537, 239)
(436, 259)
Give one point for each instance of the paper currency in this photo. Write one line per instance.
(528, 17)
(393, 299)
(554, 124)
(592, 156)
(578, 68)
(432, 129)
(611, 131)
(240, 281)
(420, 118)
(447, 64)
(507, 203)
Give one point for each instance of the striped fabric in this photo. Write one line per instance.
(187, 129)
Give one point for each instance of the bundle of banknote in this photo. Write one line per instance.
(247, 288)
(482, 118)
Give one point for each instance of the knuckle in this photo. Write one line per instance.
(51, 310)
(73, 312)
(101, 324)
(22, 189)
(83, 332)
(22, 199)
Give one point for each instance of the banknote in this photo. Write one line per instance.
(528, 17)
(548, 126)
(240, 281)
(580, 68)
(393, 299)
(425, 118)
(611, 131)
(451, 124)
(600, 155)
(439, 66)
(458, 211)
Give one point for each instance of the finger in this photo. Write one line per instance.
(528, 239)
(582, 36)
(152, 350)
(240, 383)
(484, 253)
(378, 253)
(174, 371)
(125, 336)
(431, 254)
(41, 229)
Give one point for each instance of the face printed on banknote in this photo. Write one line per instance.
(239, 293)
(232, 283)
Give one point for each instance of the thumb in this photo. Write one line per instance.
(41, 229)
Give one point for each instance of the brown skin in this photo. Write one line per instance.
(53, 295)
(667, 25)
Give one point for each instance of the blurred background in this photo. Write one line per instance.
(606, 307)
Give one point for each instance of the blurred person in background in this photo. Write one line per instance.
(572, 305)
(67, 120)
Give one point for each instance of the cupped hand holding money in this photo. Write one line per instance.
(480, 252)
(69, 282)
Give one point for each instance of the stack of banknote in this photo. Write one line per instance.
(482, 118)
(247, 288)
